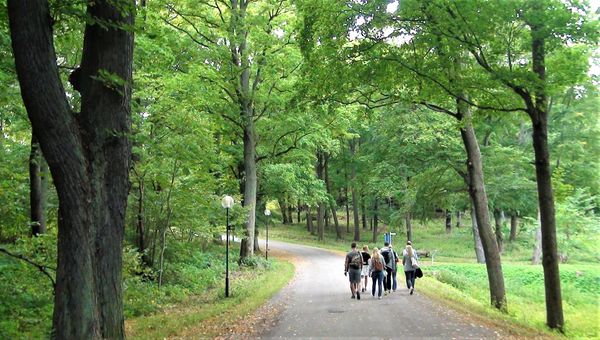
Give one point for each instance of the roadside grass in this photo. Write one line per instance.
(453, 276)
(197, 316)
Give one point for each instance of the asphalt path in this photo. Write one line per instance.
(317, 304)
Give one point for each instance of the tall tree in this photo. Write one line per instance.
(88, 153)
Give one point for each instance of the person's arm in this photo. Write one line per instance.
(346, 265)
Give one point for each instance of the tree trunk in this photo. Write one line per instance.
(247, 247)
(536, 258)
(284, 208)
(498, 229)
(332, 203)
(354, 195)
(514, 226)
(299, 210)
(291, 214)
(476, 238)
(309, 224)
(347, 211)
(408, 220)
(88, 154)
(375, 220)
(539, 118)
(363, 212)
(479, 197)
(37, 189)
(448, 221)
(141, 228)
(458, 219)
(320, 220)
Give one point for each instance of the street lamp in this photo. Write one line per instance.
(227, 203)
(268, 214)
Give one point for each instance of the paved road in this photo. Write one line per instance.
(317, 304)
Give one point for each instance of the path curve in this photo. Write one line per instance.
(317, 304)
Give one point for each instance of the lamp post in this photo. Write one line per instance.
(268, 214)
(227, 203)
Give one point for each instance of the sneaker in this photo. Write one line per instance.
(411, 291)
(353, 296)
(357, 295)
(386, 292)
(379, 297)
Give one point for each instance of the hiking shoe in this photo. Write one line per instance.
(411, 291)
(357, 295)
(353, 296)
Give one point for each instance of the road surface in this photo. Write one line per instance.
(317, 304)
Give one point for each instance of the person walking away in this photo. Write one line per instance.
(395, 270)
(390, 266)
(376, 269)
(353, 269)
(410, 263)
(365, 268)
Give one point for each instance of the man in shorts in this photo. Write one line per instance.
(353, 268)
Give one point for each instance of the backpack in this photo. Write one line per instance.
(356, 261)
(386, 256)
(377, 265)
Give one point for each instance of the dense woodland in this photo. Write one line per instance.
(124, 123)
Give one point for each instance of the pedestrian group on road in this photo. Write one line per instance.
(381, 266)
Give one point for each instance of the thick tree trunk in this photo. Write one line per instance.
(498, 229)
(480, 255)
(247, 247)
(538, 112)
(375, 220)
(37, 189)
(448, 221)
(479, 197)
(291, 214)
(514, 226)
(408, 221)
(88, 154)
(284, 209)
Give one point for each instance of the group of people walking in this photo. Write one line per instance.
(381, 265)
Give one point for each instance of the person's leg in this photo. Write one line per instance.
(380, 283)
(388, 279)
(352, 289)
(374, 282)
(408, 281)
(366, 282)
(394, 283)
(412, 280)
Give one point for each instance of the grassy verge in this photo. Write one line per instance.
(201, 316)
(455, 278)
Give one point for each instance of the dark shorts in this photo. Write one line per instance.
(354, 275)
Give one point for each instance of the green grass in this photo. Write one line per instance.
(454, 277)
(250, 289)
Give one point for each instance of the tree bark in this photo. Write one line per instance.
(480, 255)
(514, 226)
(375, 219)
(536, 258)
(88, 154)
(458, 218)
(309, 223)
(498, 229)
(141, 228)
(538, 113)
(290, 213)
(284, 208)
(37, 189)
(347, 204)
(363, 212)
(479, 198)
(408, 221)
(448, 221)
(354, 195)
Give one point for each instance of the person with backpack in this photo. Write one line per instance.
(389, 257)
(376, 269)
(353, 269)
(365, 268)
(410, 263)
